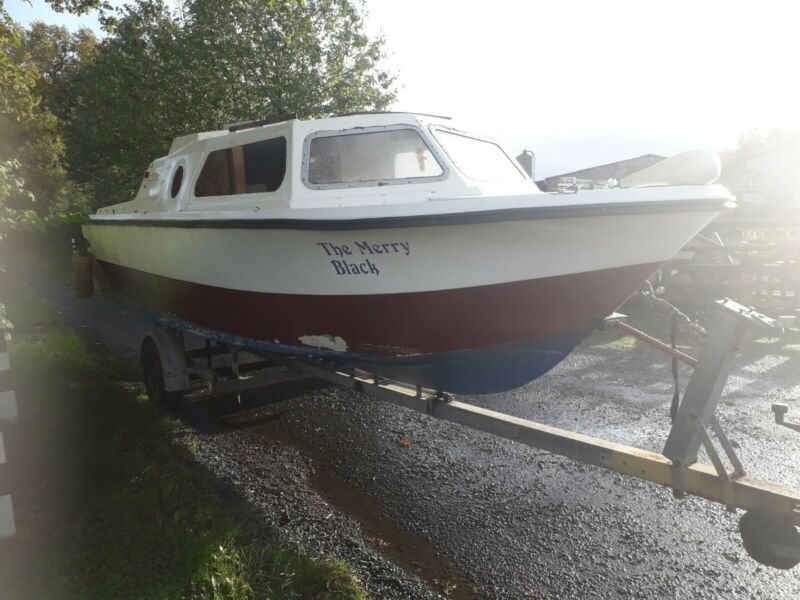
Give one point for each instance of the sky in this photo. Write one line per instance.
(582, 83)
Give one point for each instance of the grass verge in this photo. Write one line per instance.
(108, 499)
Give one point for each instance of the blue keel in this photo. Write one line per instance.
(484, 370)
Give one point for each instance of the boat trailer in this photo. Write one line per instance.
(172, 371)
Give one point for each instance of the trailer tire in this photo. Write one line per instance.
(153, 373)
(769, 539)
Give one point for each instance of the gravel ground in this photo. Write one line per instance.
(418, 506)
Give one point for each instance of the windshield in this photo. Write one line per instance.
(371, 157)
(478, 159)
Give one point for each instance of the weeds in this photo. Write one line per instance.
(115, 506)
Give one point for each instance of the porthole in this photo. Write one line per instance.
(177, 180)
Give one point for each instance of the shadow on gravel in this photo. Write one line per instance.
(257, 408)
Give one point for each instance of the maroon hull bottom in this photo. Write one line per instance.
(392, 324)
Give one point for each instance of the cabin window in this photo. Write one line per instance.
(248, 169)
(478, 159)
(377, 157)
(177, 180)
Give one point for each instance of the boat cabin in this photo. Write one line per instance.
(352, 160)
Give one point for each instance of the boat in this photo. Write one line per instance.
(394, 243)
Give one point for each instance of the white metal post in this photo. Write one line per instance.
(8, 413)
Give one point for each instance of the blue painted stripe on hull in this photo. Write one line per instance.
(486, 370)
(483, 370)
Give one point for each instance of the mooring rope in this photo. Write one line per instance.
(649, 292)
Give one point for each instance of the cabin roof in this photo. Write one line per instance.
(346, 120)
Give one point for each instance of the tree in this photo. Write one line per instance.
(58, 56)
(16, 101)
(162, 74)
(29, 133)
(749, 143)
(268, 58)
(12, 188)
(78, 7)
(131, 103)
(13, 192)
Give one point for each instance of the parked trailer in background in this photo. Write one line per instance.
(755, 260)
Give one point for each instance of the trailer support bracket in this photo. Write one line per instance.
(696, 413)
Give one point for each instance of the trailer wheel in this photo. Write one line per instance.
(153, 372)
(770, 539)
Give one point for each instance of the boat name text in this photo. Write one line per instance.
(365, 248)
(357, 250)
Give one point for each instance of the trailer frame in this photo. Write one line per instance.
(772, 512)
